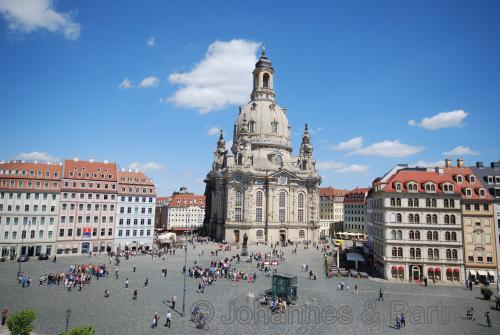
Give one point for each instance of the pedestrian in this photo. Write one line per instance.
(342, 285)
(54, 259)
(168, 319)
(381, 295)
(398, 322)
(488, 321)
(146, 282)
(106, 293)
(174, 300)
(126, 283)
(5, 313)
(133, 269)
(154, 323)
(402, 319)
(135, 294)
(356, 289)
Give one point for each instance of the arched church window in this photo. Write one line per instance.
(278, 160)
(304, 165)
(300, 205)
(282, 207)
(238, 206)
(274, 127)
(265, 79)
(258, 206)
(258, 199)
(252, 126)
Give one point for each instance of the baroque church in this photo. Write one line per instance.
(259, 188)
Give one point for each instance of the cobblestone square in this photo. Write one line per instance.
(321, 308)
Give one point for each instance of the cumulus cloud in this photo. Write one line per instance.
(27, 16)
(429, 164)
(352, 144)
(149, 82)
(213, 131)
(149, 166)
(37, 156)
(221, 78)
(339, 167)
(151, 42)
(388, 149)
(451, 119)
(460, 151)
(125, 84)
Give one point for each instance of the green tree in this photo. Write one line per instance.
(82, 330)
(21, 323)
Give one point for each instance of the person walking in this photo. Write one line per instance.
(174, 300)
(5, 313)
(146, 282)
(154, 323)
(398, 322)
(356, 289)
(488, 320)
(402, 320)
(133, 268)
(126, 283)
(381, 295)
(135, 294)
(168, 319)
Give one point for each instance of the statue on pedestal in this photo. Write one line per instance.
(244, 250)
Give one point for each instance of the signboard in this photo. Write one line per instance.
(87, 232)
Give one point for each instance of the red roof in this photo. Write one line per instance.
(332, 192)
(187, 200)
(420, 177)
(89, 170)
(465, 172)
(358, 195)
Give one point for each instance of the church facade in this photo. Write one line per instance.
(258, 187)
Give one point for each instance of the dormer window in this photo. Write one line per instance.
(481, 192)
(472, 179)
(447, 188)
(412, 187)
(460, 179)
(429, 187)
(397, 186)
(274, 127)
(468, 192)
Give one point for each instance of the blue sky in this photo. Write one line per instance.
(356, 71)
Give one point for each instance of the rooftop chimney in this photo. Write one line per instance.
(76, 159)
(495, 165)
(460, 163)
(91, 160)
(447, 163)
(479, 165)
(106, 161)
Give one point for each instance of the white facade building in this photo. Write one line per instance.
(185, 210)
(135, 211)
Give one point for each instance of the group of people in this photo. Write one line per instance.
(75, 276)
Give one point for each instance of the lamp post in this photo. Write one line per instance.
(23, 233)
(185, 273)
(68, 316)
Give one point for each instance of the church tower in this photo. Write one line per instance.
(259, 187)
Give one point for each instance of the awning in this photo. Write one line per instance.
(352, 256)
(394, 268)
(431, 270)
(491, 273)
(472, 273)
(449, 270)
(456, 270)
(401, 268)
(437, 269)
(482, 273)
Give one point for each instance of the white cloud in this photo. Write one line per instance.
(460, 151)
(341, 167)
(125, 84)
(149, 166)
(149, 82)
(221, 78)
(37, 156)
(213, 131)
(451, 119)
(151, 42)
(27, 16)
(388, 149)
(429, 164)
(352, 144)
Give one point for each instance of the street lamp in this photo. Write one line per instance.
(23, 235)
(185, 273)
(68, 316)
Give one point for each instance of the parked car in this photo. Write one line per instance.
(43, 257)
(24, 258)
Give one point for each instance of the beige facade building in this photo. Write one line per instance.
(331, 209)
(260, 188)
(29, 208)
(355, 211)
(478, 223)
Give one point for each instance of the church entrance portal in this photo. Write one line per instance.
(237, 236)
(282, 236)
